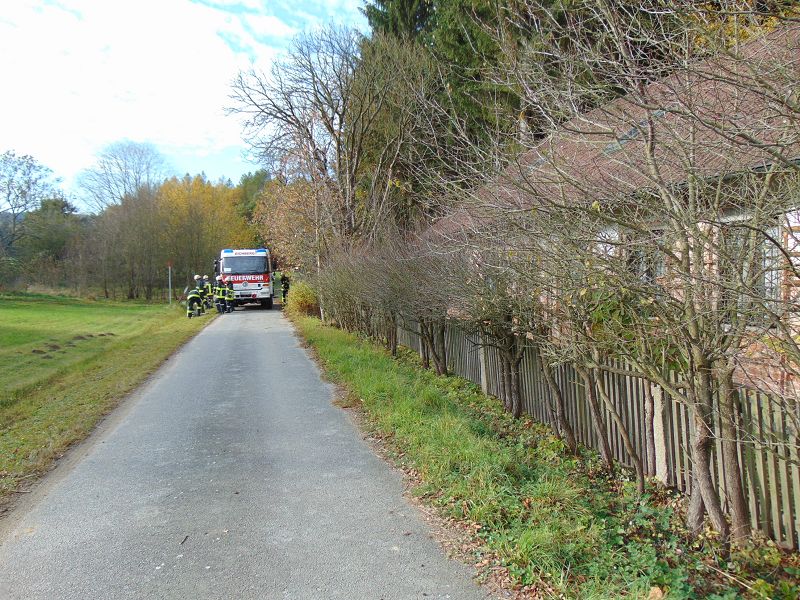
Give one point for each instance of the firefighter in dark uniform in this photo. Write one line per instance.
(209, 296)
(202, 291)
(219, 295)
(198, 283)
(194, 301)
(230, 297)
(285, 285)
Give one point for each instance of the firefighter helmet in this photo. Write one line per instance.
(196, 277)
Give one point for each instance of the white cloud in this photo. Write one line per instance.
(269, 26)
(80, 74)
(343, 10)
(253, 5)
(155, 71)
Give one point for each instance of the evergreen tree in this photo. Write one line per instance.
(250, 186)
(405, 19)
(459, 36)
(50, 229)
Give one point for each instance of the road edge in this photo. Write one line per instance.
(455, 543)
(13, 510)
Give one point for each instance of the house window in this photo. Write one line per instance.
(646, 261)
(771, 258)
(607, 242)
(750, 275)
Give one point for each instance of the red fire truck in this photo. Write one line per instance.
(250, 271)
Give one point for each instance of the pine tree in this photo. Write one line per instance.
(405, 19)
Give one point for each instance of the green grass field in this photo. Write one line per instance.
(66, 362)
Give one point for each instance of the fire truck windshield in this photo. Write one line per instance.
(244, 265)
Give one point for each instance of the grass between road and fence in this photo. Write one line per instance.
(554, 525)
(66, 362)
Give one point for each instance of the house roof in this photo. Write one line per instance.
(727, 114)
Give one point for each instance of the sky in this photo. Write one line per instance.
(79, 75)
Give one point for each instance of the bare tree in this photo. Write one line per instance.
(122, 170)
(314, 113)
(24, 183)
(679, 172)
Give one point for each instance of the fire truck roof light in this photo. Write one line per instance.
(227, 251)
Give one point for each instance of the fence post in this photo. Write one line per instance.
(484, 366)
(659, 434)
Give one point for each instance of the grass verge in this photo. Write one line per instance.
(549, 521)
(65, 363)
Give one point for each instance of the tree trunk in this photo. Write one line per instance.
(649, 432)
(697, 510)
(728, 409)
(516, 387)
(701, 448)
(434, 338)
(597, 418)
(624, 432)
(564, 428)
(360, 320)
(131, 282)
(441, 337)
(391, 333)
(505, 381)
(512, 400)
(701, 454)
(425, 341)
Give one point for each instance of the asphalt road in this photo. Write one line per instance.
(229, 475)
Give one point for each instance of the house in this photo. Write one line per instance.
(719, 140)
(686, 195)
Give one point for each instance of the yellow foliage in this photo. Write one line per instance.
(200, 219)
(718, 28)
(285, 217)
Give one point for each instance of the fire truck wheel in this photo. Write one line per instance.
(267, 304)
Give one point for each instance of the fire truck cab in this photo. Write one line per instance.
(250, 271)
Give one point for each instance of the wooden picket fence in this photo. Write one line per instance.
(768, 437)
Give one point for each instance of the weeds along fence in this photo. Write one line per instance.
(767, 438)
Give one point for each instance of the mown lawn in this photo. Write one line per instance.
(553, 523)
(66, 362)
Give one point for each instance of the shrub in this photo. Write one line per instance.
(302, 300)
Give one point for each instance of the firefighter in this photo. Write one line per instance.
(284, 285)
(230, 297)
(220, 291)
(198, 284)
(200, 289)
(209, 292)
(194, 302)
